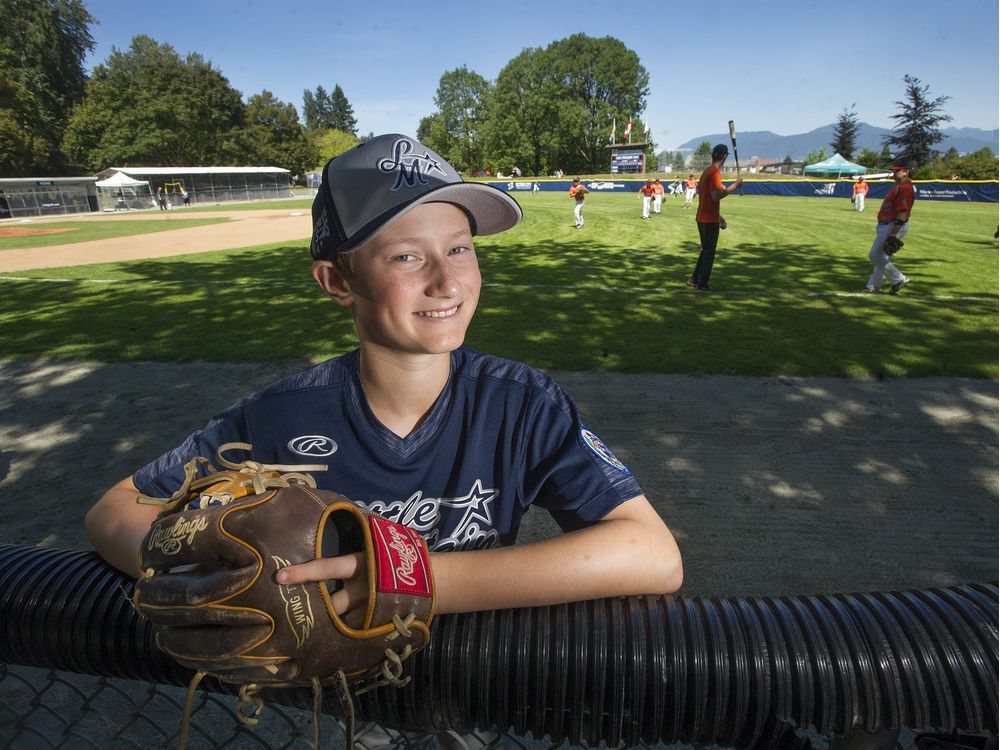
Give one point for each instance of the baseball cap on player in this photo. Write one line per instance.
(367, 188)
(904, 163)
(721, 151)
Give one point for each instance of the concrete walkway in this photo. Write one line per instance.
(772, 486)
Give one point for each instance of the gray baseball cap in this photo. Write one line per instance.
(367, 188)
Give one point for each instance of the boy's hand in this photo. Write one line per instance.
(346, 576)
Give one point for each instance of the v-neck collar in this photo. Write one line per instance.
(402, 447)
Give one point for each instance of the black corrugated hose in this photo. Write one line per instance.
(727, 671)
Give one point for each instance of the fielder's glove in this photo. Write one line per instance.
(892, 245)
(209, 589)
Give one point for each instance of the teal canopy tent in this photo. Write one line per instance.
(836, 166)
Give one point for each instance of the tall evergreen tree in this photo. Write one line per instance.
(845, 133)
(326, 111)
(315, 109)
(43, 44)
(917, 122)
(342, 112)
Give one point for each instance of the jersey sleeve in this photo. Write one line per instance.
(162, 476)
(569, 470)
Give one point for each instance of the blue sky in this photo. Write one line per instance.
(782, 65)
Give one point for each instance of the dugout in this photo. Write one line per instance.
(211, 184)
(121, 193)
(46, 196)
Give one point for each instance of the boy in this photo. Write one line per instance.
(646, 192)
(710, 221)
(893, 221)
(454, 443)
(579, 194)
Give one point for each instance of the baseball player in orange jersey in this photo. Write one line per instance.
(579, 193)
(860, 191)
(690, 185)
(646, 192)
(657, 195)
(893, 221)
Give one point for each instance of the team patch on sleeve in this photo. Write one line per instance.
(602, 451)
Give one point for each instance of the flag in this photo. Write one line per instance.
(614, 128)
(628, 130)
(645, 131)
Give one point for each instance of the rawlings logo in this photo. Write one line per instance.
(401, 566)
(313, 445)
(169, 540)
(410, 169)
(406, 556)
(298, 607)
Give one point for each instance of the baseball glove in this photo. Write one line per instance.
(892, 245)
(209, 590)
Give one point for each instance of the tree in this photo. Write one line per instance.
(553, 108)
(343, 112)
(519, 116)
(868, 158)
(919, 116)
(149, 107)
(596, 81)
(331, 143)
(701, 159)
(43, 44)
(323, 111)
(455, 130)
(23, 150)
(818, 155)
(979, 165)
(273, 136)
(787, 159)
(316, 109)
(845, 133)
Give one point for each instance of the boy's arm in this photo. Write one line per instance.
(630, 551)
(117, 524)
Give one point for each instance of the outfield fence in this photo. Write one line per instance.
(963, 192)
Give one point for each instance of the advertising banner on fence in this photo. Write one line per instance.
(980, 192)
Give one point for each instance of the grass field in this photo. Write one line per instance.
(609, 297)
(85, 231)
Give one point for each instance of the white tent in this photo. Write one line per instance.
(121, 193)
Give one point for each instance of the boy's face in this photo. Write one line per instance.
(415, 286)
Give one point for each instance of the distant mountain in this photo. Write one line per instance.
(764, 144)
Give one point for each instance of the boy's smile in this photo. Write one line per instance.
(416, 284)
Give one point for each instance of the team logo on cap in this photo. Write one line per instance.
(602, 451)
(411, 168)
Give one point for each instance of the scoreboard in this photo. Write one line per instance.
(628, 159)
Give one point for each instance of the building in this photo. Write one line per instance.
(46, 196)
(211, 184)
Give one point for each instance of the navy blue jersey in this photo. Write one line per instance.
(501, 437)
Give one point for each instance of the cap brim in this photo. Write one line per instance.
(490, 209)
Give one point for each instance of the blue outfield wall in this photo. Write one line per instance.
(980, 191)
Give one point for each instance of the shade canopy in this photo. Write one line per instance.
(835, 165)
(120, 179)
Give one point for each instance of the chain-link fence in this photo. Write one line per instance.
(46, 709)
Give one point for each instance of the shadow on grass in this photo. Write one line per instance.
(782, 309)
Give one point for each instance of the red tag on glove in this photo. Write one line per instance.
(402, 566)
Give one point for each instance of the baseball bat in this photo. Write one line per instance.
(732, 137)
